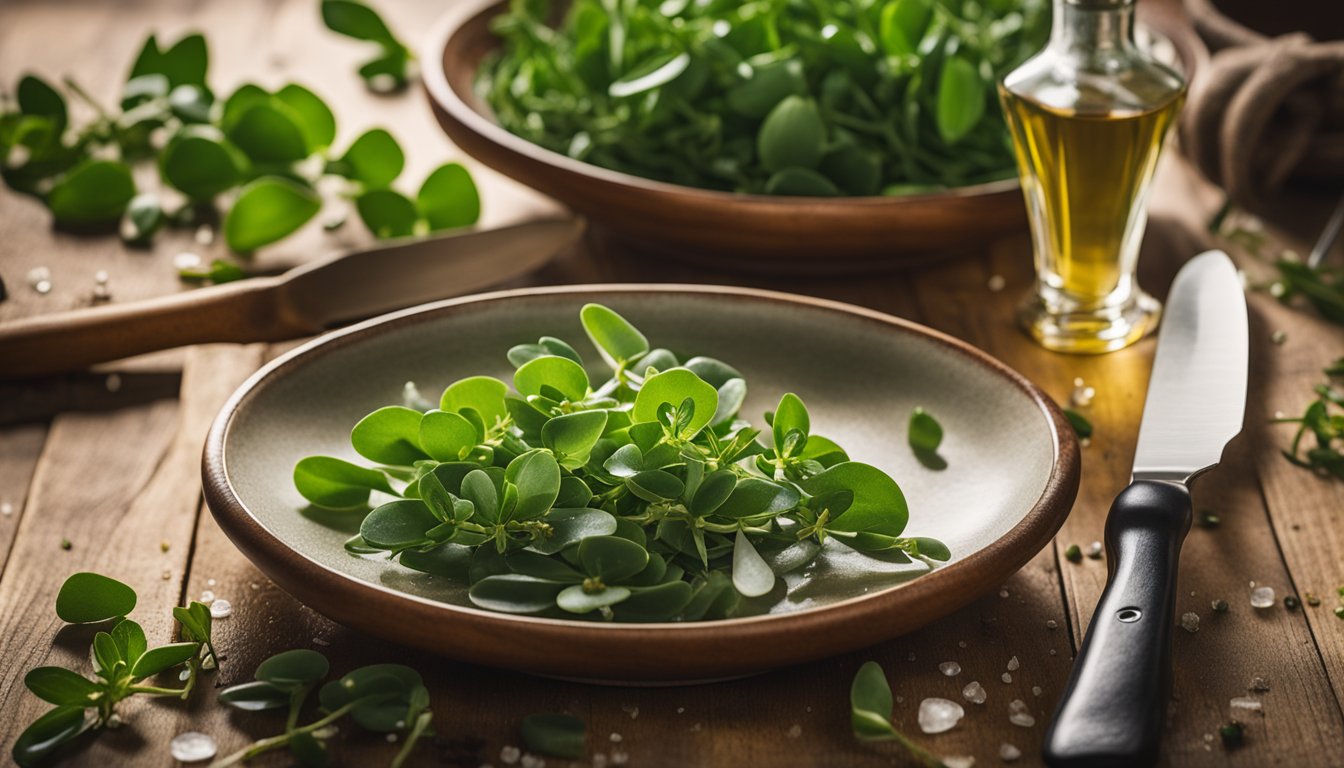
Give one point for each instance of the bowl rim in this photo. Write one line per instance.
(995, 561)
(434, 79)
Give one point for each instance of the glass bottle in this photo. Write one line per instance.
(1088, 116)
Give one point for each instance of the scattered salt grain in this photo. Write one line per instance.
(1008, 753)
(391, 738)
(1003, 593)
(220, 609)
(530, 761)
(1014, 664)
(205, 235)
(1262, 597)
(1052, 624)
(207, 596)
(939, 715)
(1035, 690)
(6, 509)
(1190, 622)
(509, 754)
(321, 642)
(192, 747)
(1259, 685)
(39, 279)
(1082, 394)
(1006, 677)
(634, 711)
(975, 692)
(996, 283)
(911, 657)
(680, 710)
(961, 643)
(950, 668)
(186, 261)
(1094, 550)
(1242, 704)
(1022, 719)
(959, 761)
(616, 738)
(795, 731)
(620, 758)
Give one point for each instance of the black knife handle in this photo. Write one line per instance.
(1116, 701)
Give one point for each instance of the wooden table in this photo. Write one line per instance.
(122, 484)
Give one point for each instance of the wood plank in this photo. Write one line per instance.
(20, 447)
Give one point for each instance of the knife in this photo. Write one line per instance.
(1116, 700)
(303, 301)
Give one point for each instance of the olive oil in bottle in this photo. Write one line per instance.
(1089, 116)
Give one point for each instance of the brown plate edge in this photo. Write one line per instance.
(645, 652)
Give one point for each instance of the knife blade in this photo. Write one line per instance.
(1113, 708)
(303, 301)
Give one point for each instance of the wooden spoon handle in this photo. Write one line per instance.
(245, 311)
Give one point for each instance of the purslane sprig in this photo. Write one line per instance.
(644, 497)
(123, 663)
(1324, 420)
(259, 155)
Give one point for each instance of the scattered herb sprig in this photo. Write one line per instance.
(122, 660)
(390, 70)
(870, 708)
(259, 154)
(773, 97)
(382, 698)
(642, 498)
(1324, 420)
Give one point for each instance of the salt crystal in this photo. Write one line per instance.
(1246, 703)
(683, 709)
(961, 643)
(1259, 685)
(634, 712)
(1003, 593)
(795, 731)
(911, 657)
(205, 235)
(391, 738)
(599, 761)
(220, 609)
(1262, 597)
(939, 715)
(509, 754)
(532, 761)
(1005, 677)
(207, 596)
(39, 279)
(1014, 664)
(1035, 690)
(1017, 705)
(1190, 622)
(1021, 719)
(113, 382)
(1094, 550)
(1008, 753)
(950, 668)
(959, 761)
(1082, 395)
(620, 758)
(6, 509)
(1279, 337)
(114, 721)
(321, 642)
(192, 747)
(996, 283)
(184, 675)
(210, 582)
(101, 292)
(186, 261)
(1052, 624)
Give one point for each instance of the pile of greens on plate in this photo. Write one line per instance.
(643, 498)
(799, 97)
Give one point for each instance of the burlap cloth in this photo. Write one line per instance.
(1266, 111)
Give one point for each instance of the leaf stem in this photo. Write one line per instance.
(421, 724)
(266, 745)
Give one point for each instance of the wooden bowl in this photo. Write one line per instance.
(758, 233)
(1012, 474)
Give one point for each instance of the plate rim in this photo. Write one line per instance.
(306, 576)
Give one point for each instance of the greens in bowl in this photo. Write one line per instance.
(785, 97)
(642, 498)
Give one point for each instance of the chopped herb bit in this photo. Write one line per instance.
(1322, 287)
(219, 271)
(1209, 520)
(1324, 419)
(1074, 554)
(65, 544)
(1233, 734)
(1079, 422)
(1219, 606)
(1291, 603)
(1339, 612)
(1313, 600)
(1094, 551)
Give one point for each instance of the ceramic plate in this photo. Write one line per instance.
(1011, 478)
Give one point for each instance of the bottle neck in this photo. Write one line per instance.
(1092, 27)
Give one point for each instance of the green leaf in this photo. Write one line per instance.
(156, 660)
(790, 417)
(616, 339)
(387, 213)
(94, 192)
(547, 345)
(626, 461)
(219, 271)
(611, 558)
(515, 593)
(654, 485)
(757, 496)
(387, 691)
(673, 387)
(768, 85)
(106, 656)
(576, 599)
(198, 163)
(357, 20)
(903, 25)
(447, 436)
(144, 218)
(932, 548)
(269, 132)
(88, 597)
(751, 574)
(879, 506)
(186, 62)
(130, 640)
(573, 435)
(856, 170)
(337, 484)
(60, 686)
(961, 99)
(298, 667)
(448, 198)
(308, 750)
(537, 476)
(191, 103)
(315, 120)
(448, 561)
(398, 524)
(554, 734)
(49, 733)
(925, 433)
(657, 603)
(36, 97)
(484, 394)
(374, 159)
(386, 73)
(480, 490)
(800, 182)
(560, 373)
(255, 696)
(1081, 426)
(657, 72)
(870, 703)
(268, 209)
(242, 100)
(389, 435)
(571, 526)
(792, 136)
